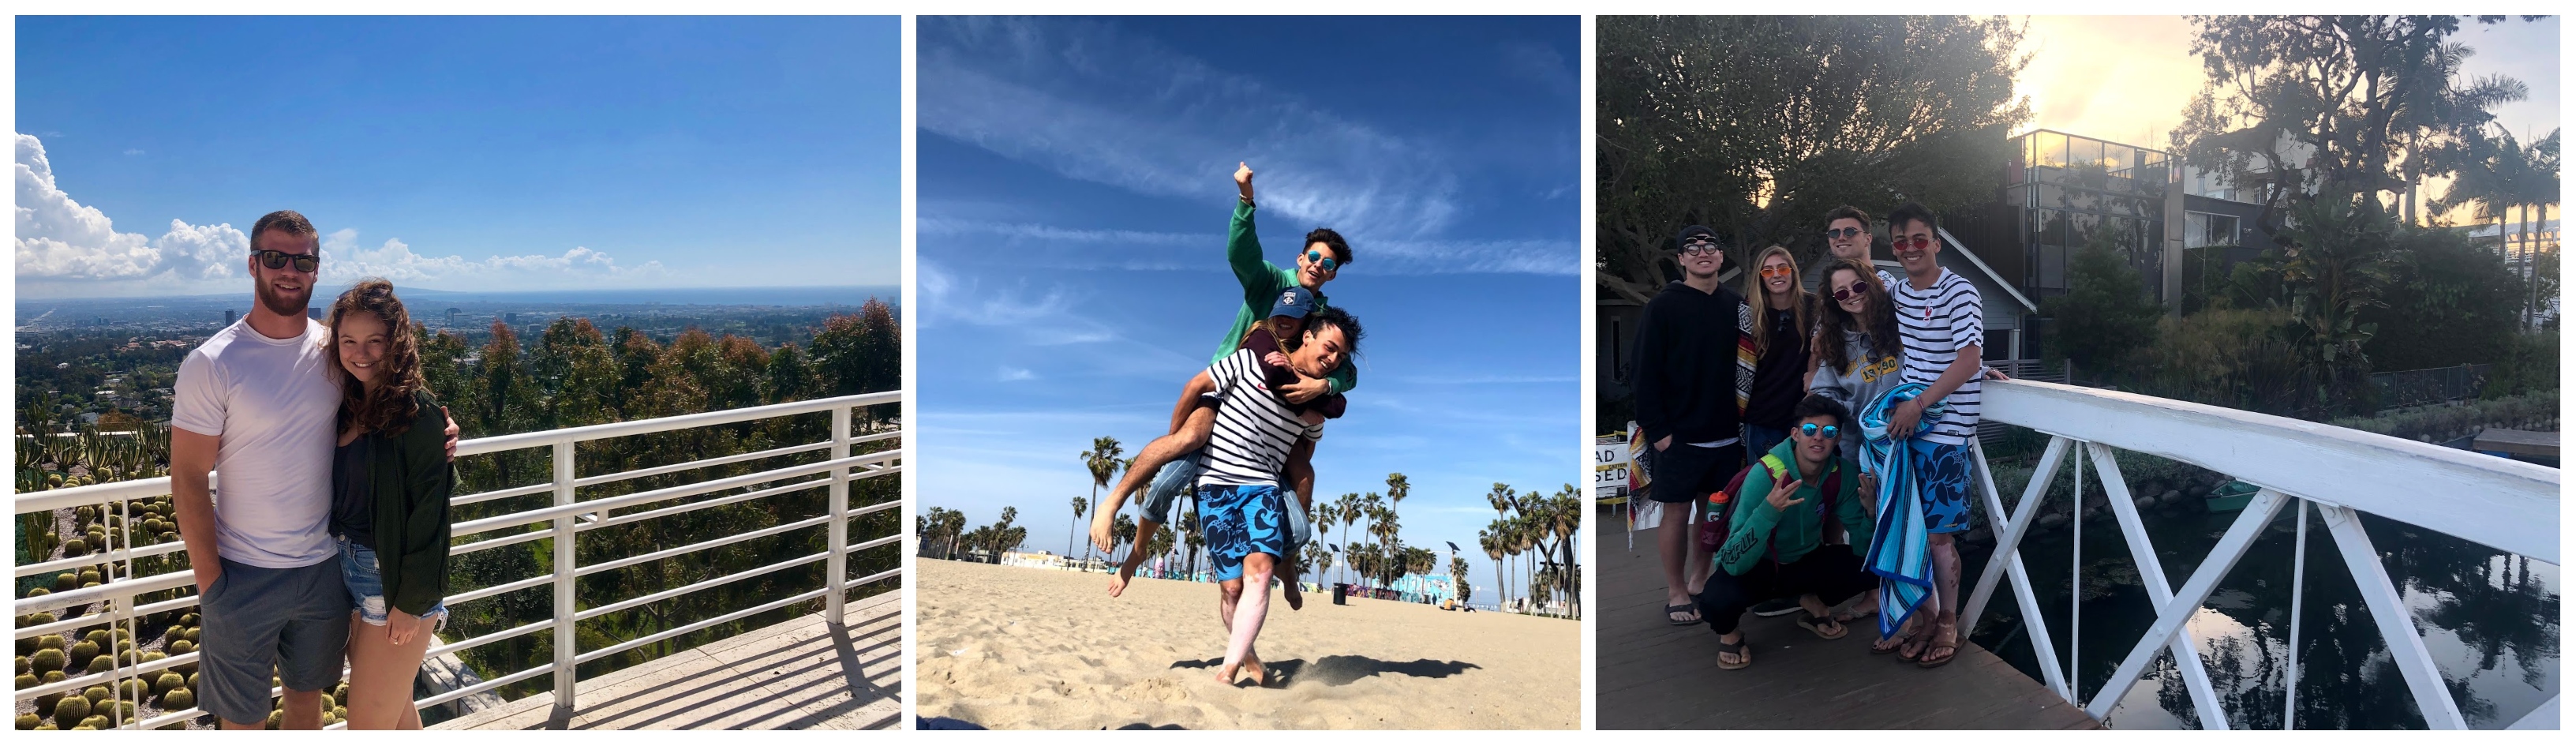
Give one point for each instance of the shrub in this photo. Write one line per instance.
(167, 682)
(2105, 313)
(50, 642)
(101, 664)
(83, 651)
(182, 647)
(67, 581)
(179, 698)
(47, 659)
(130, 689)
(97, 694)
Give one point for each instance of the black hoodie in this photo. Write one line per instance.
(1685, 371)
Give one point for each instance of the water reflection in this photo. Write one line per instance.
(2489, 619)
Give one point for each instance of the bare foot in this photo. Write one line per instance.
(1260, 673)
(1104, 530)
(1225, 675)
(1296, 599)
(1118, 582)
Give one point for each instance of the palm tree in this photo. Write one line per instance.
(1123, 535)
(1102, 461)
(1565, 520)
(1190, 536)
(2537, 190)
(1396, 488)
(1491, 541)
(1072, 536)
(1349, 508)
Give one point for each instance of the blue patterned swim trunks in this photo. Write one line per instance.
(1942, 471)
(1240, 520)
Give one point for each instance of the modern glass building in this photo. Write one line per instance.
(2073, 191)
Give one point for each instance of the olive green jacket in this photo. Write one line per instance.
(412, 480)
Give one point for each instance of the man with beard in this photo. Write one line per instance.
(254, 403)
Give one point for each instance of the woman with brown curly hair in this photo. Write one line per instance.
(390, 483)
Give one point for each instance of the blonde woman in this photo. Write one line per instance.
(1785, 315)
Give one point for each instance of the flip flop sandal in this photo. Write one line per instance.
(1691, 609)
(1816, 624)
(1743, 655)
(1952, 646)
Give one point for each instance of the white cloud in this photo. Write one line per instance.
(58, 238)
(65, 246)
(1160, 123)
(1015, 374)
(133, 151)
(344, 259)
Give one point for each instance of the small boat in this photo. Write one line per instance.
(2231, 496)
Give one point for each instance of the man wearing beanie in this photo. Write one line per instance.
(1691, 384)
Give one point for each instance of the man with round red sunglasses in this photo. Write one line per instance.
(1941, 318)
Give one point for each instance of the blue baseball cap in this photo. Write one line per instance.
(1295, 302)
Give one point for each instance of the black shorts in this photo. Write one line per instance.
(1687, 473)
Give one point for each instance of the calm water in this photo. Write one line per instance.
(2490, 620)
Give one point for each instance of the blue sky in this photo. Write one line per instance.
(460, 153)
(1075, 187)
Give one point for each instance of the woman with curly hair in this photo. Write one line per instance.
(390, 483)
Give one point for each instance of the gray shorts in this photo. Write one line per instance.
(1177, 478)
(294, 619)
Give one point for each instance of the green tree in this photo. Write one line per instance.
(1757, 125)
(2301, 109)
(1073, 535)
(1458, 579)
(2106, 313)
(2450, 304)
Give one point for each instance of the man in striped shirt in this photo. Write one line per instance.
(1243, 510)
(1941, 320)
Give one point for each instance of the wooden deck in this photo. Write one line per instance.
(2516, 442)
(799, 674)
(1651, 674)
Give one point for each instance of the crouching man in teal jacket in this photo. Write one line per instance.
(1776, 531)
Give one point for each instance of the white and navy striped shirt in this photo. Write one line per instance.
(1254, 427)
(1934, 325)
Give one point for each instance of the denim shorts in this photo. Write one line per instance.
(358, 569)
(1178, 477)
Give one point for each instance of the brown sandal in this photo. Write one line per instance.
(1891, 643)
(1952, 645)
(1816, 624)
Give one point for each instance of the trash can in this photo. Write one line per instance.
(1341, 594)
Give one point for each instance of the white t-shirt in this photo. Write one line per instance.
(273, 406)
(1935, 324)
(1254, 428)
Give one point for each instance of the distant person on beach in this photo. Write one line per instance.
(1243, 511)
(1269, 339)
(258, 402)
(1775, 534)
(1692, 374)
(1173, 461)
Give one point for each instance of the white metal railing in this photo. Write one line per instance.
(567, 517)
(2342, 473)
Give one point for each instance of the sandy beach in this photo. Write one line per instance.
(1010, 647)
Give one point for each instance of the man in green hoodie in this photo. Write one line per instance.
(1775, 537)
(1173, 460)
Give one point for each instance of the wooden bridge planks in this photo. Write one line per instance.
(1654, 675)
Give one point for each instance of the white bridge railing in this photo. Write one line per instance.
(566, 517)
(2499, 503)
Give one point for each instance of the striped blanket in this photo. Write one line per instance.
(1900, 550)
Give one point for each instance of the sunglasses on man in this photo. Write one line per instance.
(1811, 430)
(1844, 232)
(274, 259)
(1901, 243)
(1699, 245)
(1321, 261)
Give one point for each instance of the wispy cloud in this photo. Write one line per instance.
(1153, 121)
(1078, 248)
(133, 151)
(1015, 374)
